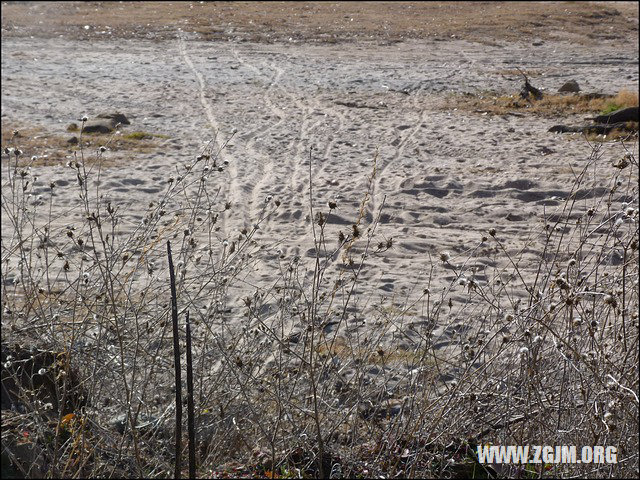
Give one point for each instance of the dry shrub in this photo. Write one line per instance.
(298, 383)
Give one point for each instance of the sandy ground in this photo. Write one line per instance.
(587, 23)
(445, 177)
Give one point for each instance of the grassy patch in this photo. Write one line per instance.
(550, 105)
(143, 136)
(43, 147)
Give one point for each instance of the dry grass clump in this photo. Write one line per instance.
(623, 99)
(550, 105)
(143, 135)
(629, 131)
(302, 377)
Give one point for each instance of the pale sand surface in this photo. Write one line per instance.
(445, 176)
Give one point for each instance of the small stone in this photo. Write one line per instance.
(73, 140)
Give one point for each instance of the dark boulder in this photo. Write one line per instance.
(115, 118)
(38, 374)
(629, 114)
(570, 87)
(105, 123)
(98, 126)
(594, 129)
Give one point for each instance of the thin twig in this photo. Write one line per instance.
(190, 415)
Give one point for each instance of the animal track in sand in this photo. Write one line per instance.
(299, 116)
(400, 147)
(260, 181)
(296, 168)
(231, 191)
